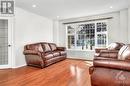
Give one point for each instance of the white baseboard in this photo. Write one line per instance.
(19, 66)
(4, 67)
(79, 58)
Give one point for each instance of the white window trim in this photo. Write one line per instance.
(96, 46)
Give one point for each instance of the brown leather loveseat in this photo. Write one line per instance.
(111, 52)
(112, 72)
(43, 54)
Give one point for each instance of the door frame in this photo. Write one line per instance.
(10, 42)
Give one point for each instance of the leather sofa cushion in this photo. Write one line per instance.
(35, 47)
(62, 52)
(48, 56)
(46, 47)
(55, 54)
(53, 46)
(114, 46)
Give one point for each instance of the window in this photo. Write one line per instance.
(86, 36)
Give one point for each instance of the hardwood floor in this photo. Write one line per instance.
(64, 73)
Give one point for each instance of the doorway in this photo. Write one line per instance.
(6, 42)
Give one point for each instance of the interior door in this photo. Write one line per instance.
(5, 43)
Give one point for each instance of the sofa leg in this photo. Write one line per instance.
(42, 66)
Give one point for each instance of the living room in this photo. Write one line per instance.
(76, 29)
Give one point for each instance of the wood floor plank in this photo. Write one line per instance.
(64, 73)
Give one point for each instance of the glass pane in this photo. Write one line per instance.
(71, 41)
(101, 34)
(71, 30)
(101, 40)
(85, 36)
(3, 42)
(101, 27)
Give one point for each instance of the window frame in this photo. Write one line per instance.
(95, 37)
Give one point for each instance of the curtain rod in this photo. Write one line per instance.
(88, 20)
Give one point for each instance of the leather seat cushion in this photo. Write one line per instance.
(56, 54)
(48, 56)
(62, 52)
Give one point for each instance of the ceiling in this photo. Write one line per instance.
(71, 8)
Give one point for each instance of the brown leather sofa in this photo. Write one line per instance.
(43, 54)
(111, 52)
(112, 72)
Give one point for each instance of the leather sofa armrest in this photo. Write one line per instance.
(61, 48)
(114, 64)
(31, 52)
(97, 50)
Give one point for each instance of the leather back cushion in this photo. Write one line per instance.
(115, 46)
(53, 46)
(46, 47)
(35, 47)
(124, 53)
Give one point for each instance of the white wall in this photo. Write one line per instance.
(117, 25)
(30, 28)
(123, 26)
(129, 25)
(56, 31)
